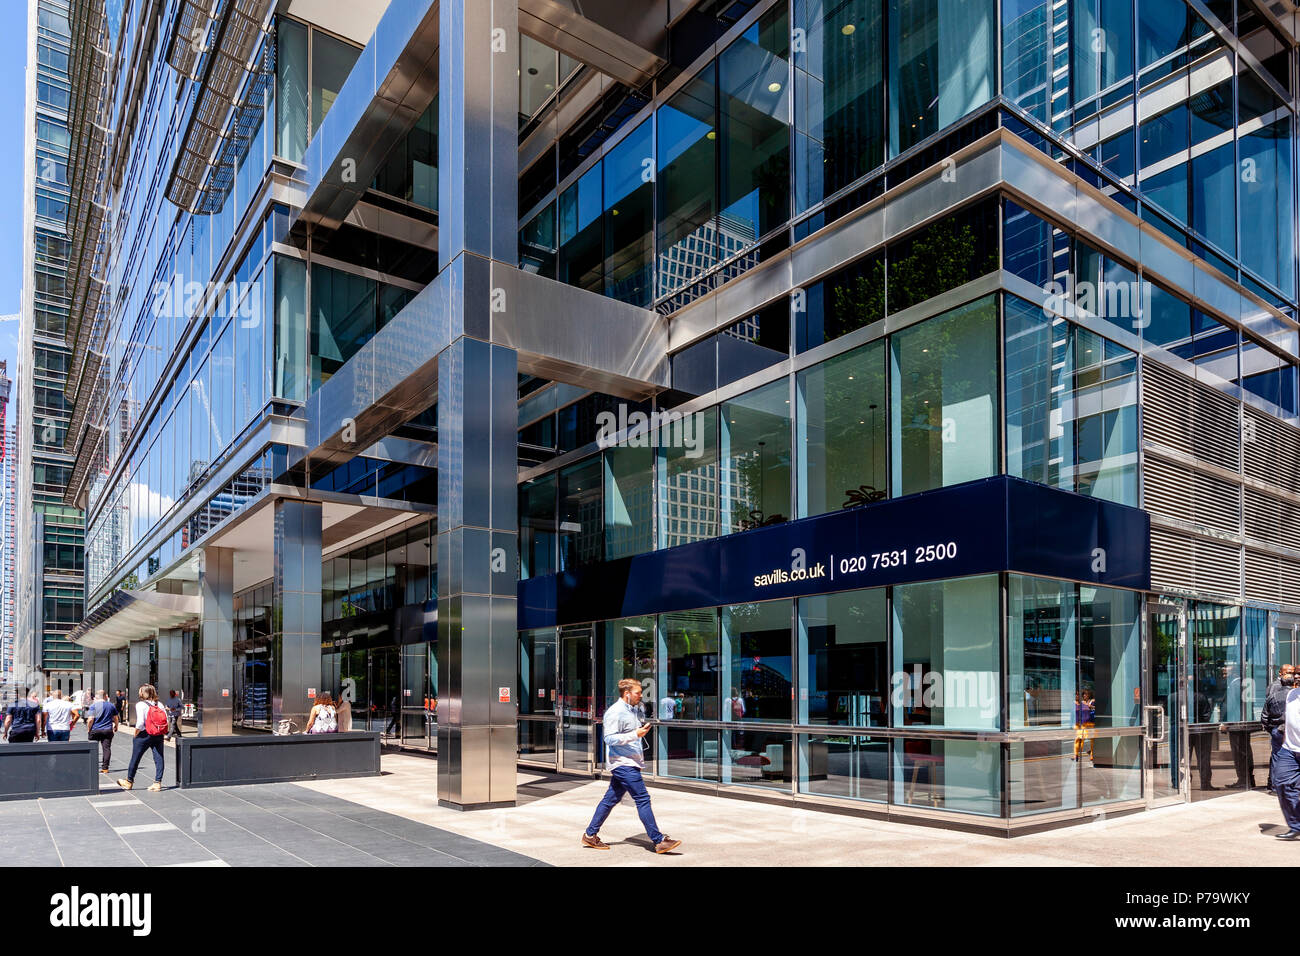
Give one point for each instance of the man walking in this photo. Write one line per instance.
(24, 719)
(59, 717)
(174, 709)
(101, 722)
(625, 759)
(121, 706)
(1286, 772)
(1273, 717)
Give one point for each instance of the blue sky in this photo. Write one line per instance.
(13, 86)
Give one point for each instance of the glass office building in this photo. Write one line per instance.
(48, 539)
(905, 392)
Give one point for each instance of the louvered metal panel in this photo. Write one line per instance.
(1289, 582)
(1190, 417)
(1217, 566)
(1216, 428)
(1271, 450)
(1165, 489)
(1272, 519)
(1218, 503)
(1167, 403)
(1171, 560)
(1263, 577)
(1177, 491)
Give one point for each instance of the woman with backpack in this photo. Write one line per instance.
(150, 729)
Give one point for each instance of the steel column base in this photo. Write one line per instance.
(447, 804)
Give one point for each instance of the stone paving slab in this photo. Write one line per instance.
(256, 825)
(547, 823)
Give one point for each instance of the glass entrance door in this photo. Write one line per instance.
(575, 698)
(1165, 708)
(386, 692)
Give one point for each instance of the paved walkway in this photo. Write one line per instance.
(393, 820)
(263, 825)
(1232, 830)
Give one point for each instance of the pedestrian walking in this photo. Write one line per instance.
(175, 707)
(24, 720)
(323, 718)
(1273, 716)
(121, 707)
(1286, 771)
(625, 759)
(59, 717)
(101, 726)
(150, 729)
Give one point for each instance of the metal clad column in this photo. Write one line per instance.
(117, 677)
(216, 641)
(477, 408)
(296, 606)
(138, 661)
(170, 656)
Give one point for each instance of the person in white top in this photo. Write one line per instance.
(1286, 772)
(624, 757)
(150, 729)
(59, 717)
(323, 719)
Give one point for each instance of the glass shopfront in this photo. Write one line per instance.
(887, 695)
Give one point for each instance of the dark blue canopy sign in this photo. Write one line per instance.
(982, 527)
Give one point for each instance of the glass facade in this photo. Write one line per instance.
(919, 359)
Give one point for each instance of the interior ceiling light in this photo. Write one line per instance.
(774, 87)
(848, 29)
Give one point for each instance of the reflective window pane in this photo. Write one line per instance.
(629, 217)
(839, 96)
(947, 654)
(757, 669)
(629, 505)
(944, 399)
(842, 431)
(843, 649)
(689, 479)
(687, 193)
(941, 66)
(757, 759)
(959, 775)
(756, 458)
(844, 766)
(1042, 639)
(754, 118)
(690, 664)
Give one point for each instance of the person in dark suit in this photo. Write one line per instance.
(1273, 717)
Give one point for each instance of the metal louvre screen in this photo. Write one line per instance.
(1273, 520)
(1171, 560)
(1165, 489)
(1188, 417)
(1177, 491)
(1217, 566)
(1186, 562)
(1263, 577)
(1271, 450)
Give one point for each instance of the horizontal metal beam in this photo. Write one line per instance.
(559, 331)
(565, 29)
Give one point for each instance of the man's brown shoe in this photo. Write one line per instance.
(125, 784)
(667, 845)
(594, 842)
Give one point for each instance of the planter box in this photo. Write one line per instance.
(63, 769)
(227, 761)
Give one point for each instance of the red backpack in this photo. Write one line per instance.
(155, 719)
